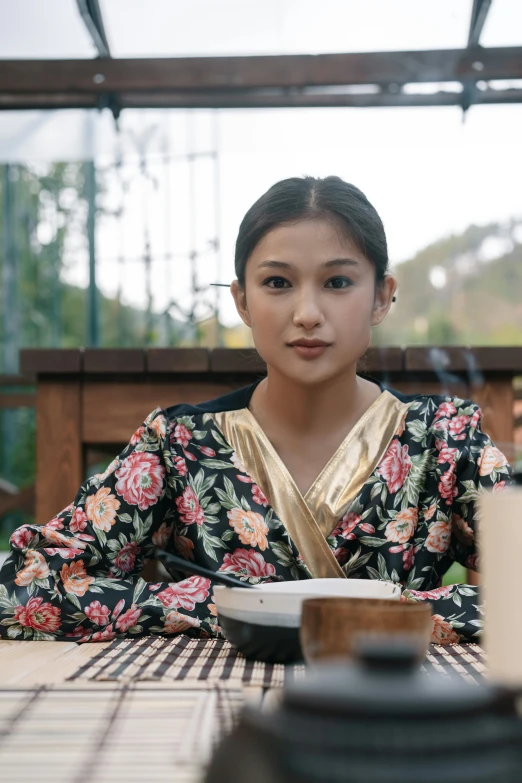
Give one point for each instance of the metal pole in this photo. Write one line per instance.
(9, 287)
(10, 321)
(217, 203)
(93, 331)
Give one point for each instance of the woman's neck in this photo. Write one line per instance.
(279, 403)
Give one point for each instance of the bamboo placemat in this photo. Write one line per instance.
(182, 659)
(111, 734)
(468, 660)
(200, 661)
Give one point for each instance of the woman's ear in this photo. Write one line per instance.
(239, 294)
(383, 298)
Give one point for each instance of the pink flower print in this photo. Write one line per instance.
(208, 452)
(140, 479)
(181, 466)
(78, 521)
(38, 615)
(347, 524)
(188, 455)
(258, 496)
(118, 608)
(499, 486)
(137, 436)
(457, 426)
(475, 419)
(104, 636)
(447, 485)
(182, 435)
(247, 562)
(130, 618)
(97, 613)
(447, 455)
(431, 595)
(64, 552)
(395, 466)
(408, 558)
(445, 409)
(21, 537)
(126, 557)
(185, 594)
(55, 524)
(189, 508)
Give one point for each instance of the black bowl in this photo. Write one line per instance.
(269, 643)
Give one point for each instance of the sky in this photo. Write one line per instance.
(428, 172)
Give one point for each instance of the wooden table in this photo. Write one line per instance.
(96, 398)
(107, 732)
(91, 730)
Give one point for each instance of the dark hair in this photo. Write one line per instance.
(298, 198)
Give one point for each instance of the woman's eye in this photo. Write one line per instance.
(339, 282)
(275, 282)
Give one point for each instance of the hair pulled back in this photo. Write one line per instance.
(299, 198)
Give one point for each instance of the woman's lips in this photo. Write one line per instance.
(309, 351)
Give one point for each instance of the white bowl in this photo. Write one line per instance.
(280, 603)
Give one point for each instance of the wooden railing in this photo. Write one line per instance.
(95, 398)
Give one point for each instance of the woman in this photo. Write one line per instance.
(313, 471)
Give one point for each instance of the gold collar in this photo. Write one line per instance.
(310, 519)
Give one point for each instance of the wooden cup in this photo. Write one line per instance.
(331, 628)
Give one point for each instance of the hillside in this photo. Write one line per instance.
(463, 289)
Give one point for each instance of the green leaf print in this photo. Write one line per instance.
(216, 464)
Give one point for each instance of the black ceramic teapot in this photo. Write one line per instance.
(381, 720)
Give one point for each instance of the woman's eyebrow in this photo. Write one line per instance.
(334, 262)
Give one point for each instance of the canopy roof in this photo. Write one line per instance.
(30, 29)
(204, 54)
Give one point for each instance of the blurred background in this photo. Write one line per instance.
(118, 210)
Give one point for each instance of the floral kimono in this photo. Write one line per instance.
(395, 502)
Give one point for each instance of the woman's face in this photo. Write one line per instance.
(307, 282)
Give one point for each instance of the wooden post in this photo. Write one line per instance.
(58, 445)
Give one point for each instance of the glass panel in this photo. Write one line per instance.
(503, 24)
(32, 29)
(141, 28)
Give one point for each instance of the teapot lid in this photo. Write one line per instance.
(387, 681)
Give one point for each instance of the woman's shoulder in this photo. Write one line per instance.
(440, 416)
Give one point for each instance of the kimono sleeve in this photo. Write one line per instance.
(76, 578)
(481, 467)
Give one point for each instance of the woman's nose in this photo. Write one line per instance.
(307, 313)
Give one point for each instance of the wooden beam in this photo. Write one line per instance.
(252, 99)
(102, 77)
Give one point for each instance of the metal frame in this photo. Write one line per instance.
(368, 79)
(92, 16)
